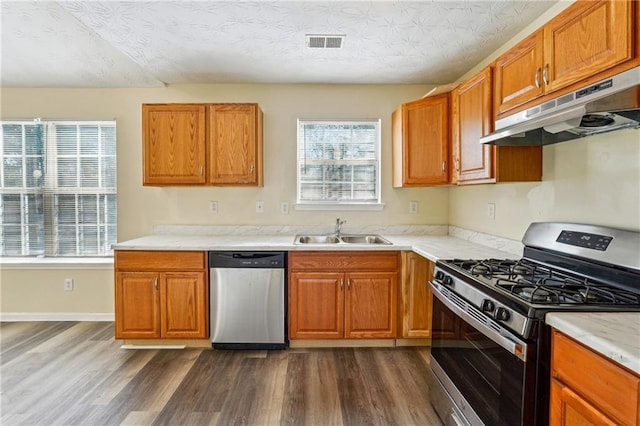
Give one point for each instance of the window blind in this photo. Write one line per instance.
(339, 162)
(58, 188)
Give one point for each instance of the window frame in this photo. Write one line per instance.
(51, 190)
(340, 204)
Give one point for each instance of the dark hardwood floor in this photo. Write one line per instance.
(74, 373)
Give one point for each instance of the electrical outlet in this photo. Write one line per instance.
(68, 284)
(284, 207)
(491, 211)
(213, 207)
(259, 206)
(413, 207)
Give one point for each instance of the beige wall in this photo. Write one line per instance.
(594, 180)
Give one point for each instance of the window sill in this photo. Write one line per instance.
(56, 263)
(339, 207)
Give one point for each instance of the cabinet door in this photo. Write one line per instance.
(184, 304)
(425, 140)
(518, 74)
(235, 144)
(316, 305)
(568, 409)
(473, 118)
(590, 37)
(174, 144)
(137, 305)
(371, 305)
(416, 296)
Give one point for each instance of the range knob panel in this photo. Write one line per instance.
(488, 305)
(447, 280)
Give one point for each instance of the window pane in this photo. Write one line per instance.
(66, 139)
(12, 139)
(35, 172)
(108, 143)
(89, 239)
(66, 241)
(88, 209)
(34, 139)
(89, 173)
(66, 209)
(11, 240)
(67, 172)
(13, 172)
(89, 140)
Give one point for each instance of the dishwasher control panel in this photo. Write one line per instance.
(246, 259)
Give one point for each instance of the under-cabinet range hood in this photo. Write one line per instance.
(608, 105)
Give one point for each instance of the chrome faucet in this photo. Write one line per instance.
(339, 224)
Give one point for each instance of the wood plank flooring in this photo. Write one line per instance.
(74, 373)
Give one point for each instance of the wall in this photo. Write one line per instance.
(139, 208)
(595, 180)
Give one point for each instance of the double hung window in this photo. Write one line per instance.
(339, 162)
(57, 188)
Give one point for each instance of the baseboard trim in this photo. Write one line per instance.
(342, 343)
(55, 316)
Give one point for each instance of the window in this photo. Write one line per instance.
(339, 162)
(57, 188)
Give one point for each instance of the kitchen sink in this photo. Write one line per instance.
(317, 239)
(367, 239)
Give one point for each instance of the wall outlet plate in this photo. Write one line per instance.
(491, 211)
(413, 207)
(68, 284)
(284, 207)
(213, 207)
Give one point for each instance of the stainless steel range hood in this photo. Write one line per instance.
(608, 105)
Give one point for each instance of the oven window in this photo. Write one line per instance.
(490, 378)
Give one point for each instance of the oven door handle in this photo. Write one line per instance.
(500, 336)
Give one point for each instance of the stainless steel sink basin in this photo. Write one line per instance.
(316, 239)
(364, 239)
(343, 239)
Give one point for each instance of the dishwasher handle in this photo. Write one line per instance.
(247, 259)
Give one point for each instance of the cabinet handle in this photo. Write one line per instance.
(155, 283)
(349, 283)
(341, 283)
(457, 165)
(201, 170)
(537, 80)
(251, 169)
(444, 166)
(545, 74)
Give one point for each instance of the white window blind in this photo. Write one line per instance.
(58, 188)
(339, 162)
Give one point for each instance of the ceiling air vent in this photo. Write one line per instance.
(325, 41)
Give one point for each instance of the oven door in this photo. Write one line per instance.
(482, 373)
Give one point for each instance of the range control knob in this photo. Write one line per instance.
(447, 280)
(439, 275)
(488, 305)
(503, 314)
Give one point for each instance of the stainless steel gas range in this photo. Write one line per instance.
(490, 350)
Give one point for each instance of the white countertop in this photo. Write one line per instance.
(614, 335)
(431, 247)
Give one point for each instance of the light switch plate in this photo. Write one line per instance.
(413, 207)
(259, 206)
(491, 211)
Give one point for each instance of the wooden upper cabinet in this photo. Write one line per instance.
(199, 144)
(235, 144)
(174, 143)
(474, 162)
(518, 74)
(588, 38)
(584, 41)
(472, 119)
(421, 138)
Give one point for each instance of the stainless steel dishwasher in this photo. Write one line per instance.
(247, 299)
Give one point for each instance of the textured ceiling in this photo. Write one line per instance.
(150, 43)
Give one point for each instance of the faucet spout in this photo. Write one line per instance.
(338, 229)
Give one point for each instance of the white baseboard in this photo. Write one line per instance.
(55, 316)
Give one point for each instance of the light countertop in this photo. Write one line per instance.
(613, 335)
(431, 247)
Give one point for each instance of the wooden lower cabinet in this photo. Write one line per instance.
(161, 295)
(416, 298)
(357, 298)
(588, 389)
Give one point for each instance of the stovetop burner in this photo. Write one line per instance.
(542, 285)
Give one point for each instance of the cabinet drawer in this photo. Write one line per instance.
(609, 387)
(344, 261)
(160, 260)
